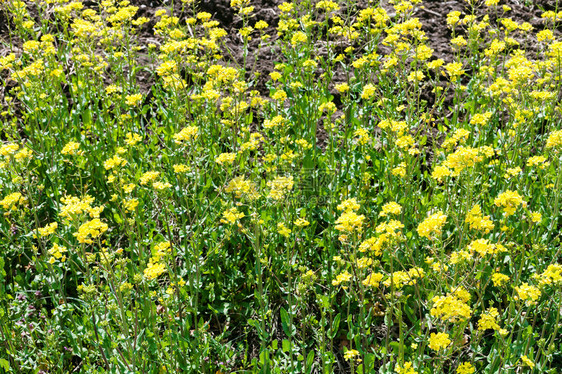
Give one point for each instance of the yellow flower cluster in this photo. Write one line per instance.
(509, 200)
(407, 368)
(280, 186)
(10, 201)
(551, 276)
(72, 149)
(527, 293)
(231, 216)
(554, 139)
(156, 266)
(225, 158)
(48, 229)
(488, 320)
(483, 247)
(343, 277)
(399, 279)
(477, 221)
(450, 309)
(187, 134)
(431, 227)
(439, 341)
(57, 253)
(74, 207)
(90, 230)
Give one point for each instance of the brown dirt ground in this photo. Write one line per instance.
(432, 14)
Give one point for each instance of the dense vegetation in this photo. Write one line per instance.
(368, 207)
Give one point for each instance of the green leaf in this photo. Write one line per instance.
(286, 345)
(286, 323)
(310, 360)
(335, 326)
(4, 364)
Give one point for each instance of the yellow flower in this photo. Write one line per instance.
(133, 100)
(280, 186)
(545, 35)
(225, 158)
(477, 221)
(554, 139)
(440, 172)
(341, 278)
(465, 368)
(283, 230)
(527, 362)
(431, 227)
(74, 206)
(286, 7)
(459, 41)
(8, 149)
(160, 250)
(56, 253)
(275, 75)
(132, 138)
(231, 215)
(72, 149)
(373, 280)
(509, 200)
(400, 170)
(439, 341)
(368, 91)
(449, 308)
(539, 161)
(527, 293)
(149, 176)
(408, 368)
(274, 122)
(301, 222)
(114, 162)
(349, 222)
(161, 185)
(416, 76)
(187, 134)
(484, 247)
(279, 95)
(349, 205)
(48, 229)
(10, 201)
(342, 87)
(180, 168)
(90, 230)
(390, 208)
(481, 119)
(399, 279)
(374, 245)
(455, 70)
(298, 38)
(536, 217)
(154, 270)
(552, 275)
(242, 187)
(435, 64)
(499, 279)
(350, 354)
(130, 205)
(488, 320)
(327, 5)
(511, 172)
(260, 25)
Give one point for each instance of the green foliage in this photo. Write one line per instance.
(373, 209)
